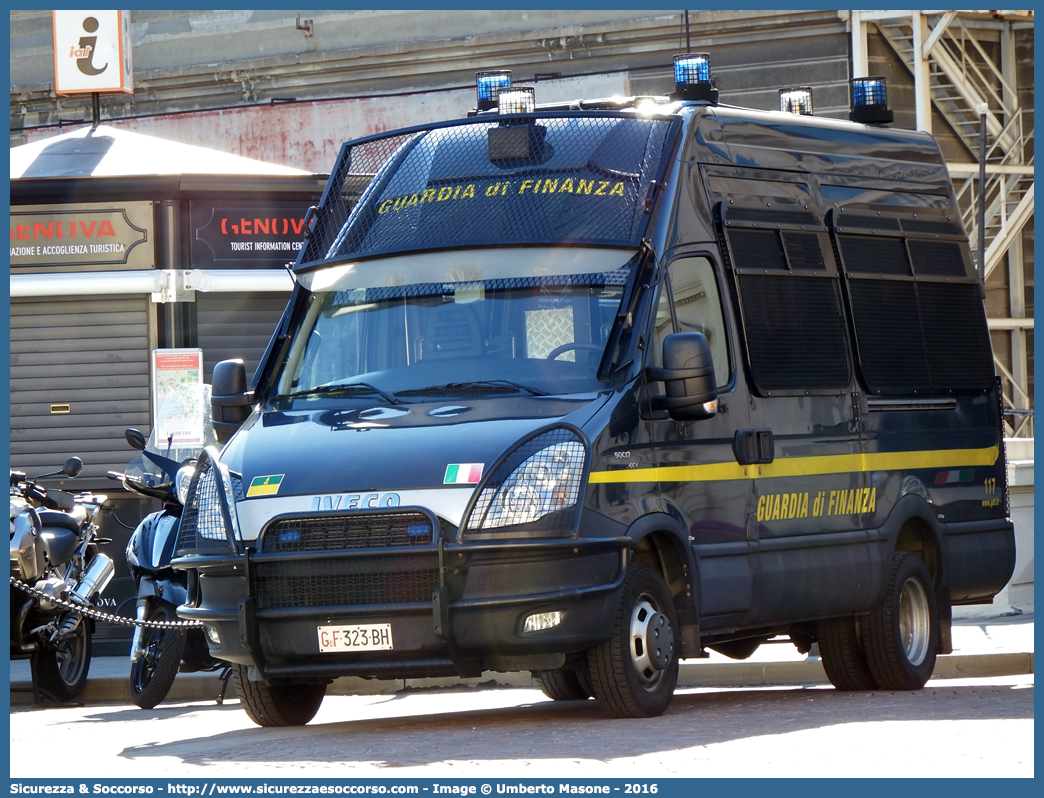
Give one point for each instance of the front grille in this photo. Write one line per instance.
(328, 583)
(332, 532)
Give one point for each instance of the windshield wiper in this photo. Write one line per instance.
(353, 386)
(476, 385)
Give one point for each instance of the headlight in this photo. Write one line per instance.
(182, 481)
(546, 481)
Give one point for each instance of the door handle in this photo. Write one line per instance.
(754, 446)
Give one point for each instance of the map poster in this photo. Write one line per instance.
(177, 397)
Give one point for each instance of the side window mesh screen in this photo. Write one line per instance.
(795, 332)
(758, 249)
(875, 255)
(888, 335)
(937, 258)
(804, 251)
(956, 337)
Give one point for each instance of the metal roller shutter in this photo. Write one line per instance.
(236, 325)
(79, 377)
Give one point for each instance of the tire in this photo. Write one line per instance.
(277, 705)
(153, 673)
(841, 647)
(563, 685)
(63, 673)
(635, 671)
(901, 637)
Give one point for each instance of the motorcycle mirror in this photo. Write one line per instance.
(135, 438)
(73, 466)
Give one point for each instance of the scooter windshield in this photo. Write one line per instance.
(535, 320)
(151, 471)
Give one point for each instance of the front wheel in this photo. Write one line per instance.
(63, 672)
(155, 663)
(901, 635)
(635, 671)
(563, 685)
(279, 704)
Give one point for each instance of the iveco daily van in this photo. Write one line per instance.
(586, 389)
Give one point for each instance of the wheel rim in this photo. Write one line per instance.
(914, 621)
(145, 667)
(72, 659)
(652, 643)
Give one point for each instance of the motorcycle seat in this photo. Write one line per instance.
(61, 534)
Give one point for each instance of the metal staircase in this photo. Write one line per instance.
(953, 57)
(962, 76)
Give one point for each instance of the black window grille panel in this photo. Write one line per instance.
(871, 255)
(795, 333)
(868, 222)
(888, 336)
(739, 213)
(757, 249)
(957, 340)
(347, 531)
(937, 258)
(804, 250)
(932, 227)
(576, 178)
(337, 582)
(203, 518)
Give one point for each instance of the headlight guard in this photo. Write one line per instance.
(537, 486)
(208, 520)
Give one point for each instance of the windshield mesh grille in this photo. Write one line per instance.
(577, 178)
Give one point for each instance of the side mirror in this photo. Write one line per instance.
(73, 466)
(688, 377)
(230, 400)
(135, 439)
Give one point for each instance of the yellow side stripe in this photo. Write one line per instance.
(804, 466)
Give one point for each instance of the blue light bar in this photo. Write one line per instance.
(869, 91)
(691, 69)
(870, 101)
(692, 78)
(489, 85)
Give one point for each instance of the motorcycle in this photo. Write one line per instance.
(159, 653)
(56, 570)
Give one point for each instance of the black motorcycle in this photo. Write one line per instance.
(56, 572)
(159, 653)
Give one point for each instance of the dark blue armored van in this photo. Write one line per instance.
(587, 389)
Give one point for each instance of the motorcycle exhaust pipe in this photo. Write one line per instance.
(97, 577)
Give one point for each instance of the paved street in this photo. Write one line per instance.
(954, 727)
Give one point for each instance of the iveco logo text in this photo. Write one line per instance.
(353, 501)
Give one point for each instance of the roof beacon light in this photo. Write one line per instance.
(489, 85)
(518, 100)
(692, 79)
(796, 100)
(870, 102)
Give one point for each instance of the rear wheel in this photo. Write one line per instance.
(902, 633)
(635, 671)
(563, 685)
(277, 705)
(63, 672)
(841, 648)
(158, 657)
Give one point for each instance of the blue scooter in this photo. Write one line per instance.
(158, 654)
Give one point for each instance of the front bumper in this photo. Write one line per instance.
(454, 608)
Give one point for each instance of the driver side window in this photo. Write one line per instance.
(689, 302)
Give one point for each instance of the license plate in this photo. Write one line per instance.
(358, 637)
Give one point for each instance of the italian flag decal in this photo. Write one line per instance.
(264, 486)
(463, 473)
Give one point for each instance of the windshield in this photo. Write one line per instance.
(491, 321)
